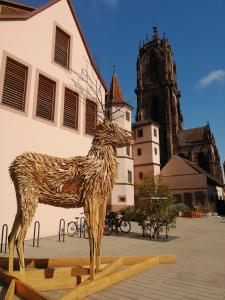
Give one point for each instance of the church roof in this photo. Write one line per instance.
(115, 95)
(192, 135)
(115, 91)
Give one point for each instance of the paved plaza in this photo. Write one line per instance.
(199, 273)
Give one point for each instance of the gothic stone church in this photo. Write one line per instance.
(158, 99)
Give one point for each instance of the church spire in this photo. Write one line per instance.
(115, 92)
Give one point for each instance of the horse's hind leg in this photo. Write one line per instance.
(22, 234)
(11, 240)
(20, 248)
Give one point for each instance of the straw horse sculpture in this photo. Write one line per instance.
(81, 181)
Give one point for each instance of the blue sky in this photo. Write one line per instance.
(196, 31)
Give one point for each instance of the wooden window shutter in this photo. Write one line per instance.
(46, 98)
(91, 117)
(15, 84)
(70, 116)
(62, 48)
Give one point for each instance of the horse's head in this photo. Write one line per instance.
(109, 133)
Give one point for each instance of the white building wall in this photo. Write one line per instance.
(148, 162)
(123, 189)
(32, 43)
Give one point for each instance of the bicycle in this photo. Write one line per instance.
(78, 228)
(116, 221)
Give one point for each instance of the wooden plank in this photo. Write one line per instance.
(56, 273)
(110, 268)
(94, 286)
(27, 293)
(167, 259)
(10, 292)
(42, 285)
(5, 277)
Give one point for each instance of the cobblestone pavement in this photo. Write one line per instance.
(199, 273)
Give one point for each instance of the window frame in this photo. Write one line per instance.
(140, 175)
(69, 34)
(129, 176)
(128, 151)
(140, 130)
(37, 117)
(77, 109)
(96, 117)
(139, 151)
(122, 196)
(18, 61)
(127, 115)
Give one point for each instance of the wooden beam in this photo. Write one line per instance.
(27, 293)
(94, 286)
(11, 290)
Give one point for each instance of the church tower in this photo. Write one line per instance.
(119, 110)
(157, 92)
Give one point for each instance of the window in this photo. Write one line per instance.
(91, 117)
(62, 48)
(153, 68)
(127, 116)
(139, 151)
(188, 199)
(140, 175)
(140, 132)
(156, 151)
(177, 198)
(128, 150)
(129, 176)
(200, 198)
(46, 98)
(70, 116)
(15, 84)
(122, 198)
(155, 132)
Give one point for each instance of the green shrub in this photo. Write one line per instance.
(180, 207)
(155, 204)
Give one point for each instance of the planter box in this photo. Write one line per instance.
(192, 214)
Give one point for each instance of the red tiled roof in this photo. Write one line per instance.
(115, 92)
(17, 5)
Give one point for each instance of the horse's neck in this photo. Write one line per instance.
(109, 165)
(101, 151)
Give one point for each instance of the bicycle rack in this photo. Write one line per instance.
(62, 228)
(4, 230)
(82, 219)
(36, 224)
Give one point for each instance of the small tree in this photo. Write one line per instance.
(154, 204)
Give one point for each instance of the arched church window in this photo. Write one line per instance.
(155, 110)
(154, 72)
(203, 161)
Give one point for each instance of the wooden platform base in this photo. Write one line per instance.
(72, 274)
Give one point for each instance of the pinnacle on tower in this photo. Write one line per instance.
(155, 32)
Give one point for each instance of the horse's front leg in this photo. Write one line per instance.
(92, 216)
(102, 213)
